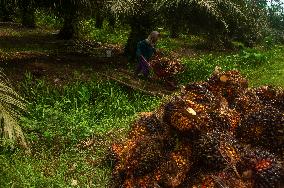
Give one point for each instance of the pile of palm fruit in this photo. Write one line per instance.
(217, 133)
(165, 67)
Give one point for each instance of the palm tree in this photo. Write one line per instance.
(140, 15)
(11, 107)
(214, 18)
(70, 11)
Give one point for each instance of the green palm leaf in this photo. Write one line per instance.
(12, 106)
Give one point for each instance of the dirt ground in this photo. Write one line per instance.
(44, 56)
(40, 53)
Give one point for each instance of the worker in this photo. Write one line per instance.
(144, 52)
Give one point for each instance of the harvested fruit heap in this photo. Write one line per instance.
(217, 133)
(165, 66)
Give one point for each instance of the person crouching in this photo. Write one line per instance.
(145, 50)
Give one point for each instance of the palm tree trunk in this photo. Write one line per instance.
(99, 20)
(136, 34)
(68, 30)
(28, 16)
(141, 25)
(111, 21)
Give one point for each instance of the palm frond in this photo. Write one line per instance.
(217, 9)
(12, 106)
(126, 7)
(212, 8)
(172, 3)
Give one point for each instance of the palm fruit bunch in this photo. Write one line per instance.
(263, 128)
(217, 133)
(228, 84)
(166, 67)
(225, 118)
(190, 111)
(140, 157)
(172, 172)
(217, 151)
(262, 168)
(247, 102)
(272, 96)
(148, 125)
(222, 179)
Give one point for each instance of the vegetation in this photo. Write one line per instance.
(11, 105)
(73, 113)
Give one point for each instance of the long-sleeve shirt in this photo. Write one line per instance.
(145, 49)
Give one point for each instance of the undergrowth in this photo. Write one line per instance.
(70, 131)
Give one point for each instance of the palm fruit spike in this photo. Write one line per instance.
(228, 84)
(217, 151)
(265, 169)
(270, 95)
(173, 171)
(262, 128)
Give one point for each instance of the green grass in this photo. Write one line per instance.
(117, 35)
(59, 121)
(261, 67)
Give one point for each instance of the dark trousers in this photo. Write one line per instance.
(143, 67)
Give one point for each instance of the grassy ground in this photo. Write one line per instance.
(70, 131)
(261, 67)
(71, 124)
